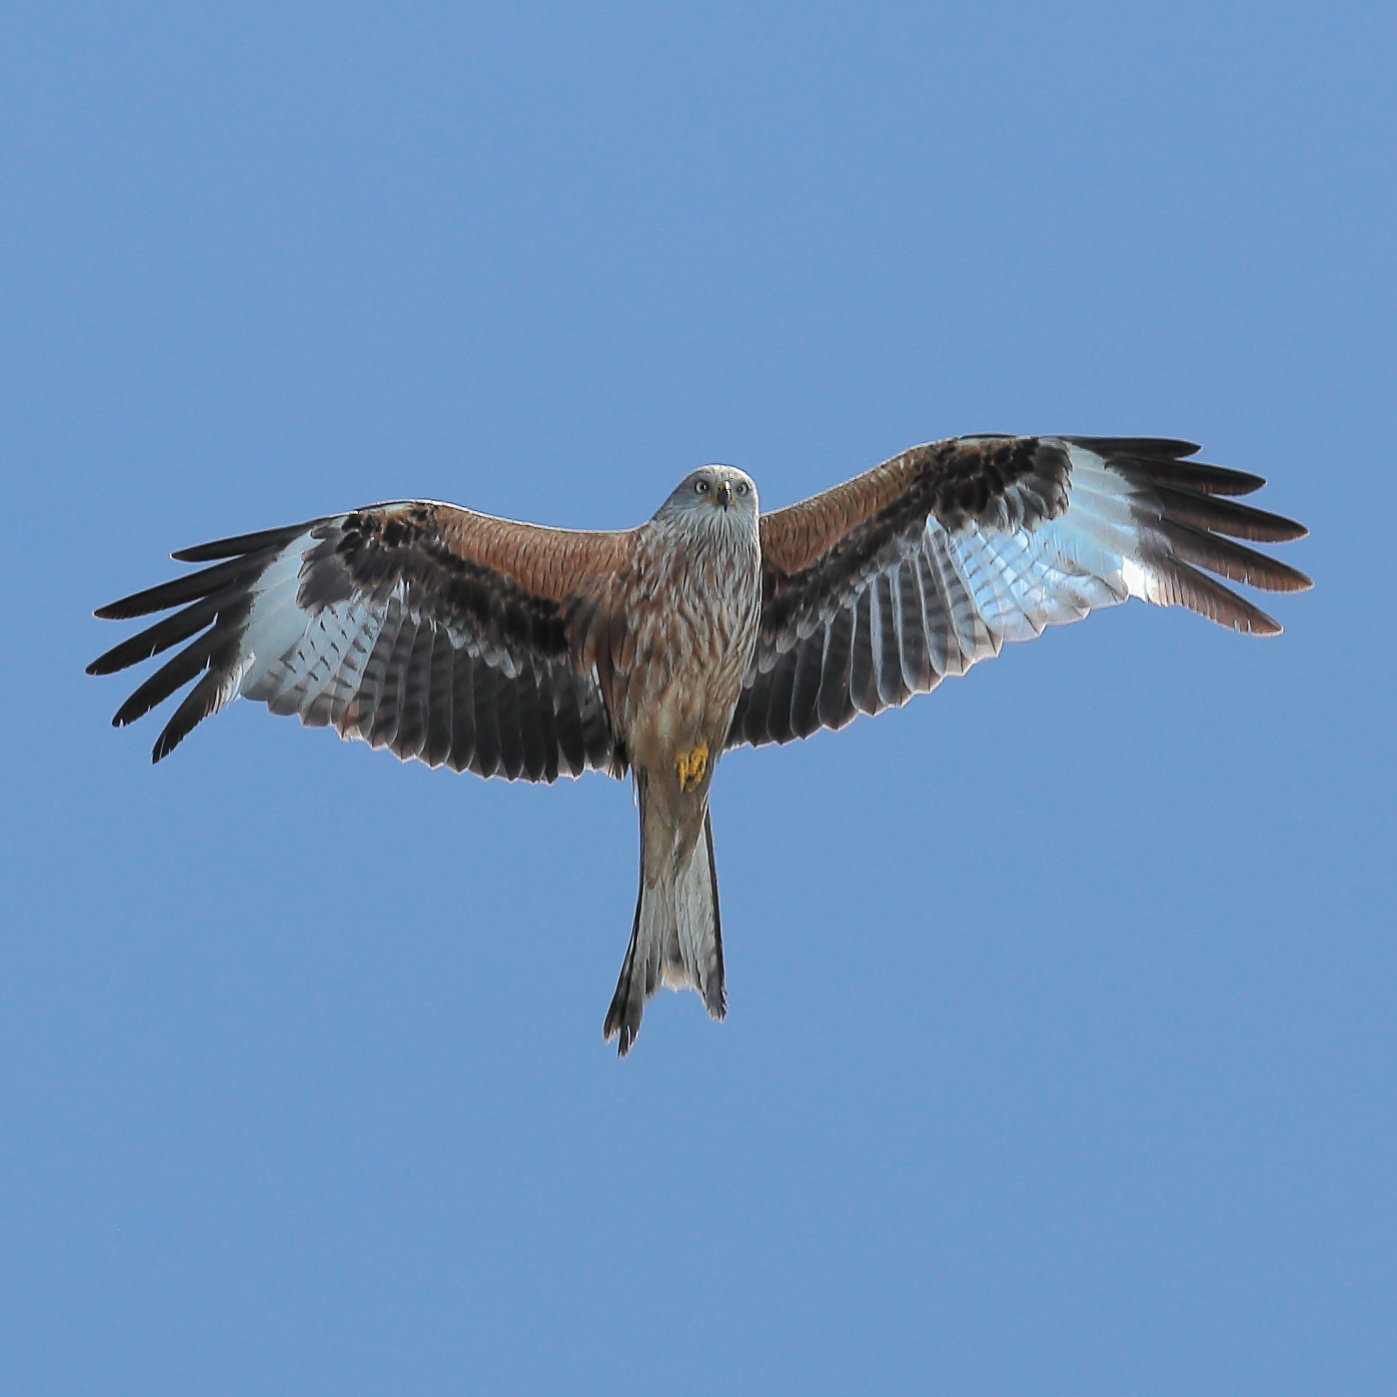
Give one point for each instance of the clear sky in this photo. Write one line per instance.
(1061, 1049)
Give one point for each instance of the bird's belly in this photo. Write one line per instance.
(680, 720)
(676, 719)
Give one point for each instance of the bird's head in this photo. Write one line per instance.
(711, 493)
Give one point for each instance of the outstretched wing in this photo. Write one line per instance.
(445, 635)
(877, 589)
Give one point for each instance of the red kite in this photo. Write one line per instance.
(522, 651)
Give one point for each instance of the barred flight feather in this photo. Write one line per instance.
(388, 625)
(877, 601)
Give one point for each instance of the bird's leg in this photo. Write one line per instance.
(691, 767)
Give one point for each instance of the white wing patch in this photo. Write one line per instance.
(1019, 583)
(276, 622)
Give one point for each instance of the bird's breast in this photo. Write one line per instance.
(692, 626)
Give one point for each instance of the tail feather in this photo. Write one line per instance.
(676, 940)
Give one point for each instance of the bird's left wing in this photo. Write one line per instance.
(877, 589)
(446, 635)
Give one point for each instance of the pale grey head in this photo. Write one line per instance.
(719, 498)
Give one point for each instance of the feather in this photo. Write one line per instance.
(383, 623)
(1002, 537)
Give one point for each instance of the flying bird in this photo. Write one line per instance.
(514, 650)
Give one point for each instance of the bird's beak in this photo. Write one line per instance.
(723, 494)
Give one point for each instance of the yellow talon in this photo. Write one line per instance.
(691, 766)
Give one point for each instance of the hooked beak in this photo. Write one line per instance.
(722, 493)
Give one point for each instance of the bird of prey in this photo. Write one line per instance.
(521, 651)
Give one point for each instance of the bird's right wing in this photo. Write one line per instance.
(877, 589)
(445, 635)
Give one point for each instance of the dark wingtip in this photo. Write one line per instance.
(239, 544)
(142, 603)
(129, 712)
(109, 662)
(1205, 478)
(1169, 447)
(1272, 528)
(116, 611)
(1264, 627)
(1163, 460)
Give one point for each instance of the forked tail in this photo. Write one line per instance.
(676, 939)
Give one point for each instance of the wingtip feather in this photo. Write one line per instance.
(239, 544)
(123, 609)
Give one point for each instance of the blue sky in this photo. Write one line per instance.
(1060, 1052)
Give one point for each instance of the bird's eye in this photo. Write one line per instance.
(741, 487)
(701, 487)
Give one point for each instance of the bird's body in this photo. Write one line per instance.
(508, 648)
(673, 677)
(672, 680)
